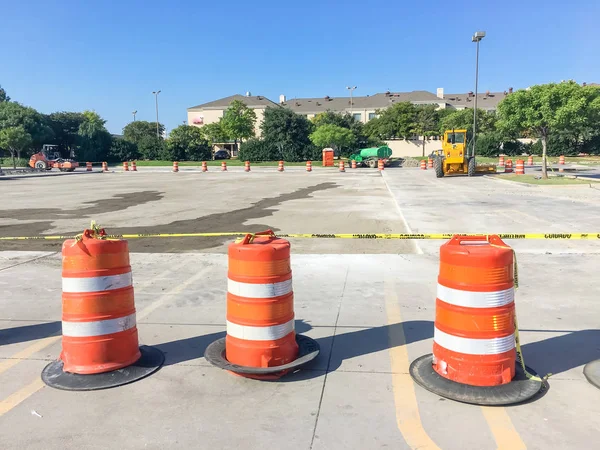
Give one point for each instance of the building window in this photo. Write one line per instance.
(357, 117)
(372, 116)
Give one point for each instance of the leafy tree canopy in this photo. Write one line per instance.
(289, 133)
(334, 136)
(238, 121)
(15, 139)
(188, 143)
(13, 114)
(136, 131)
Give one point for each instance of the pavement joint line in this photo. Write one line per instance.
(28, 261)
(418, 249)
(337, 318)
(408, 418)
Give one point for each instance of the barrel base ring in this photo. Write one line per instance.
(151, 360)
(308, 350)
(518, 390)
(592, 372)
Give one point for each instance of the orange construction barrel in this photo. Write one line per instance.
(261, 341)
(474, 351)
(99, 332)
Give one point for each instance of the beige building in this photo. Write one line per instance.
(362, 108)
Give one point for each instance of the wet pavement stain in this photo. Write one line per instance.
(106, 205)
(230, 221)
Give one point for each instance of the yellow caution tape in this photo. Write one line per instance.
(391, 236)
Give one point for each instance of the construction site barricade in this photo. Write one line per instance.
(99, 331)
(474, 347)
(204, 166)
(380, 165)
(260, 342)
(520, 168)
(134, 166)
(561, 159)
(508, 166)
(88, 166)
(430, 163)
(125, 166)
(280, 166)
(423, 164)
(175, 166)
(530, 161)
(223, 166)
(104, 167)
(309, 166)
(247, 166)
(353, 164)
(342, 166)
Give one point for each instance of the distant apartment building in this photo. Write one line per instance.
(362, 108)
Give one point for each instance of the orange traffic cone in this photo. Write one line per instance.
(475, 334)
(342, 166)
(280, 166)
(430, 163)
(309, 166)
(98, 321)
(125, 166)
(380, 165)
(520, 168)
(247, 166)
(530, 161)
(261, 342)
(175, 166)
(423, 164)
(204, 166)
(134, 166)
(223, 166)
(353, 164)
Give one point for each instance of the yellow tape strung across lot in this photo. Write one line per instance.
(401, 236)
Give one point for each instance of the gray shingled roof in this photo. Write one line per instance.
(257, 101)
(383, 100)
(484, 101)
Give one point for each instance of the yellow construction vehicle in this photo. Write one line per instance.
(453, 158)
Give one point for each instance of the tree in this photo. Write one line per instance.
(136, 131)
(238, 121)
(214, 133)
(361, 139)
(151, 148)
(426, 122)
(65, 126)
(15, 139)
(544, 110)
(94, 139)
(256, 150)
(288, 133)
(395, 122)
(330, 135)
(3, 96)
(188, 143)
(122, 150)
(13, 114)
(462, 119)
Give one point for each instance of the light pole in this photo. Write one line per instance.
(351, 89)
(156, 99)
(478, 36)
(134, 113)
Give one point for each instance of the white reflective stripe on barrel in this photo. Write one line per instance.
(97, 284)
(259, 333)
(470, 346)
(470, 299)
(99, 327)
(251, 290)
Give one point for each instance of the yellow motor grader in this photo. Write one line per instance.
(453, 158)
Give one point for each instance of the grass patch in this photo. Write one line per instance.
(230, 162)
(552, 181)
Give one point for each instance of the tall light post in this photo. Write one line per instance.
(134, 113)
(156, 99)
(478, 36)
(351, 89)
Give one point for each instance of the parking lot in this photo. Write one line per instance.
(370, 304)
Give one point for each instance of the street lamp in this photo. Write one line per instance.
(351, 89)
(478, 36)
(134, 113)
(156, 99)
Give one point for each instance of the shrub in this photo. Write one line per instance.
(122, 150)
(255, 150)
(488, 144)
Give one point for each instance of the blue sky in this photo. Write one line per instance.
(109, 56)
